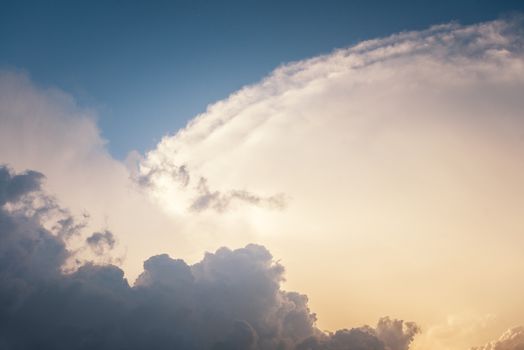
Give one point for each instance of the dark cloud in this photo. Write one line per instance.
(354, 339)
(68, 227)
(12, 187)
(101, 242)
(231, 299)
(219, 201)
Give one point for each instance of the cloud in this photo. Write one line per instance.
(352, 112)
(396, 334)
(231, 299)
(400, 159)
(512, 339)
(204, 197)
(389, 334)
(457, 332)
(220, 202)
(100, 242)
(13, 187)
(45, 129)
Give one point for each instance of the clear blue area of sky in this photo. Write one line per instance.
(147, 67)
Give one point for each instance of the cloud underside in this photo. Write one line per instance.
(231, 299)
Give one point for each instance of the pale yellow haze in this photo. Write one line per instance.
(400, 162)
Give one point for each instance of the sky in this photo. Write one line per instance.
(262, 175)
(149, 67)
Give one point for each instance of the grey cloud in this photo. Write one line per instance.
(161, 270)
(178, 174)
(68, 226)
(231, 299)
(242, 337)
(220, 202)
(13, 187)
(101, 242)
(204, 197)
(389, 334)
(397, 334)
(357, 339)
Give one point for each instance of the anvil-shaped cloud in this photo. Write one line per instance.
(387, 176)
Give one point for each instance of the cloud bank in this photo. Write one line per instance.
(231, 299)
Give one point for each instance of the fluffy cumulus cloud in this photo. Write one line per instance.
(512, 339)
(231, 299)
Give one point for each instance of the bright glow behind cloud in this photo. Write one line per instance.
(401, 160)
(387, 177)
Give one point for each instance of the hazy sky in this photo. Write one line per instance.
(384, 175)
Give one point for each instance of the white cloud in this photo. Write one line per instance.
(43, 129)
(400, 160)
(458, 332)
(512, 339)
(383, 104)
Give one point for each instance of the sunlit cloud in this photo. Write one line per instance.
(387, 177)
(400, 160)
(512, 339)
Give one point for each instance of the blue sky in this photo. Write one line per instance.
(148, 67)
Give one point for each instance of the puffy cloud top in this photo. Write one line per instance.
(512, 339)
